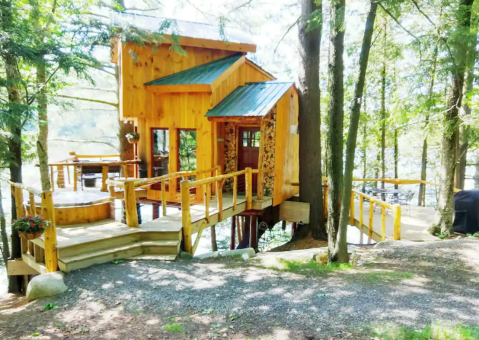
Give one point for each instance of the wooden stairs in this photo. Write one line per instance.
(84, 245)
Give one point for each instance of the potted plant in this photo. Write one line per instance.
(30, 227)
(133, 137)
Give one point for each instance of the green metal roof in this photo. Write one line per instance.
(203, 74)
(251, 100)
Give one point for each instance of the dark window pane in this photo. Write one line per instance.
(161, 152)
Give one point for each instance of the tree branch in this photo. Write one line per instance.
(240, 6)
(285, 33)
(96, 89)
(89, 100)
(397, 22)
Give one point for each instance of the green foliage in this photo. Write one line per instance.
(433, 332)
(310, 267)
(50, 306)
(174, 327)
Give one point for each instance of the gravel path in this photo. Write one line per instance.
(231, 299)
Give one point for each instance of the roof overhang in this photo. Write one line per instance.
(204, 88)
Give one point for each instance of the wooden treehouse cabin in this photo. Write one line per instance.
(219, 138)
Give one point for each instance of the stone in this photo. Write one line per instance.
(46, 285)
(246, 254)
(476, 234)
(185, 255)
(459, 237)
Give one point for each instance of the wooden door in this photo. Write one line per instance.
(248, 154)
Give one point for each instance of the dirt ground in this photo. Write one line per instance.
(393, 285)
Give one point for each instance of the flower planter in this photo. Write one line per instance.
(133, 140)
(30, 236)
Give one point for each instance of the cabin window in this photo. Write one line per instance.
(187, 150)
(160, 152)
(251, 138)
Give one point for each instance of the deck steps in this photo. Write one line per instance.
(157, 248)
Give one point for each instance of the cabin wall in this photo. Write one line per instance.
(140, 65)
(286, 169)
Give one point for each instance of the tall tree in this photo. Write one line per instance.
(337, 250)
(310, 176)
(458, 44)
(339, 253)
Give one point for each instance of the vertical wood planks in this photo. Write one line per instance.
(249, 188)
(351, 214)
(50, 235)
(130, 204)
(104, 177)
(397, 222)
(186, 215)
(383, 223)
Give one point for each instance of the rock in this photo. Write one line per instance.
(459, 237)
(243, 253)
(45, 285)
(384, 244)
(476, 235)
(185, 255)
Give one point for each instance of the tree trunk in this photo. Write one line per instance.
(340, 252)
(383, 111)
(336, 238)
(396, 156)
(15, 283)
(476, 175)
(42, 142)
(443, 223)
(365, 149)
(3, 232)
(422, 187)
(465, 130)
(310, 177)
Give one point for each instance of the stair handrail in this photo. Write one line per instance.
(206, 184)
(48, 213)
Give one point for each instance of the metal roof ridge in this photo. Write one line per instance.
(238, 54)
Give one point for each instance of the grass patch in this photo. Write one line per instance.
(174, 327)
(433, 332)
(380, 276)
(310, 267)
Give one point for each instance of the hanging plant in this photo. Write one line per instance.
(133, 137)
(30, 227)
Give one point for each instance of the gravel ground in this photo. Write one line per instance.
(233, 299)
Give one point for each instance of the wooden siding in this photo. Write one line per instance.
(286, 168)
(176, 110)
(143, 64)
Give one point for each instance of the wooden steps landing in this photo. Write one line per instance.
(81, 246)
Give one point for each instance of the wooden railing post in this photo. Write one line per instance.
(371, 216)
(50, 235)
(186, 215)
(163, 197)
(130, 204)
(249, 188)
(75, 169)
(207, 194)
(52, 180)
(217, 173)
(235, 191)
(383, 223)
(351, 213)
(361, 217)
(397, 222)
(18, 194)
(60, 176)
(219, 199)
(104, 177)
(33, 205)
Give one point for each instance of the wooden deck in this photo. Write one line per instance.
(414, 222)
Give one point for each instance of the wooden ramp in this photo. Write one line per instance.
(414, 222)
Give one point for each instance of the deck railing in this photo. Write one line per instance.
(130, 186)
(75, 161)
(50, 234)
(395, 208)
